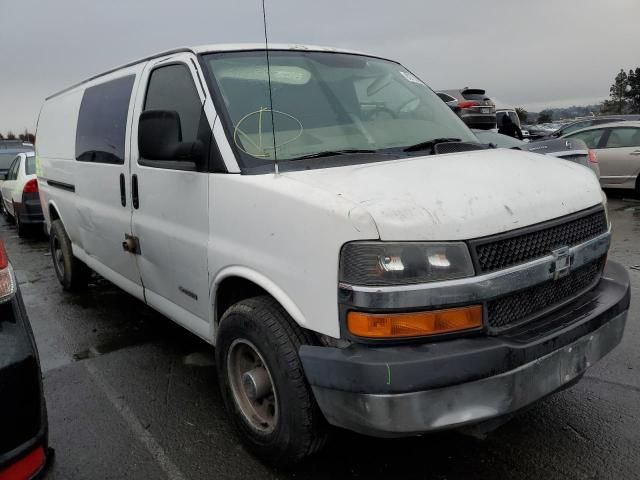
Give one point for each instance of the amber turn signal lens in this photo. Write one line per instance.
(418, 324)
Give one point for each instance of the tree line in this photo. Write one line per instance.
(25, 136)
(624, 94)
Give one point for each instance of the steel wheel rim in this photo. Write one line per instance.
(243, 361)
(58, 258)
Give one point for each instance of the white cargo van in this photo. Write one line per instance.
(354, 254)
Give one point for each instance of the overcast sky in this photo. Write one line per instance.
(534, 54)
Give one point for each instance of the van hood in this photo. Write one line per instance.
(460, 196)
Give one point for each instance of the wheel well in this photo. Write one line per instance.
(53, 213)
(233, 289)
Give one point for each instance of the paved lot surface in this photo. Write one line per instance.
(131, 395)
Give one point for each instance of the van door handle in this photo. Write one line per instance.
(123, 193)
(134, 192)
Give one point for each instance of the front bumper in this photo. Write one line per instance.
(408, 390)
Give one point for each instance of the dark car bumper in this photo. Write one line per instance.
(30, 209)
(481, 121)
(407, 390)
(23, 416)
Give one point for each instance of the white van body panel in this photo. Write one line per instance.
(55, 155)
(416, 198)
(290, 235)
(283, 232)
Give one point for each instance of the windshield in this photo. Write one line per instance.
(325, 103)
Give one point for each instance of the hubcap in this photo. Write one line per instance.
(252, 386)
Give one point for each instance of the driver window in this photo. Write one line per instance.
(172, 88)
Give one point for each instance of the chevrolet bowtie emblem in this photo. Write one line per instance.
(561, 263)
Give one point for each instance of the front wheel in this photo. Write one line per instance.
(263, 384)
(72, 274)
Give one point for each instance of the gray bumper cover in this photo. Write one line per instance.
(449, 407)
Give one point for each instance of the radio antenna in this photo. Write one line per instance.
(273, 125)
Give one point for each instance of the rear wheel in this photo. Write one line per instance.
(263, 384)
(72, 274)
(20, 227)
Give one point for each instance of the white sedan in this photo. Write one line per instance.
(20, 195)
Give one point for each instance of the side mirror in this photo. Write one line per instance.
(160, 138)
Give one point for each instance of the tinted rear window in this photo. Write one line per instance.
(102, 121)
(30, 167)
(474, 94)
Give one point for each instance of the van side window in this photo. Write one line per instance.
(102, 121)
(172, 88)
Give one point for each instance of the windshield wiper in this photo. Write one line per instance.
(333, 153)
(429, 144)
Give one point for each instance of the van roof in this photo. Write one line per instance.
(212, 48)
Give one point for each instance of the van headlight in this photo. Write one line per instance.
(389, 263)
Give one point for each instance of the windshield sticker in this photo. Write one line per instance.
(412, 78)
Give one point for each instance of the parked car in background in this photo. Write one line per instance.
(23, 416)
(451, 102)
(20, 195)
(511, 113)
(617, 146)
(8, 151)
(574, 150)
(570, 127)
(537, 132)
(366, 280)
(474, 107)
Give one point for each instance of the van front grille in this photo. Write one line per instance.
(524, 245)
(524, 305)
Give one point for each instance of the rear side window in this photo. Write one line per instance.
(30, 166)
(477, 95)
(102, 121)
(623, 137)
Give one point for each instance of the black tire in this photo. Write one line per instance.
(7, 215)
(20, 227)
(72, 273)
(299, 430)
